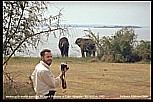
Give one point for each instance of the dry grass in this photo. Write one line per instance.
(87, 79)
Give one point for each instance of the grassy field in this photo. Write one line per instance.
(86, 79)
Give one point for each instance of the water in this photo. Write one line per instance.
(74, 33)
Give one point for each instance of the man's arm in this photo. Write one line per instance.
(50, 79)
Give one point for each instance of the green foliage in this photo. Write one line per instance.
(143, 50)
(122, 43)
(19, 22)
(23, 25)
(121, 47)
(98, 43)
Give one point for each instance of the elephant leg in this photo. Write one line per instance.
(87, 54)
(82, 53)
(62, 52)
(94, 53)
(90, 52)
(66, 53)
(65, 49)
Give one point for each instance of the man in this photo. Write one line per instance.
(44, 82)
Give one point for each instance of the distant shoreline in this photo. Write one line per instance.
(96, 26)
(118, 27)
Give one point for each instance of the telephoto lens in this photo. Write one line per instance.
(64, 68)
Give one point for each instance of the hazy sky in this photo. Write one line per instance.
(107, 13)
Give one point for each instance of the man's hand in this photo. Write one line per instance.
(61, 75)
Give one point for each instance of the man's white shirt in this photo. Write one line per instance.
(44, 80)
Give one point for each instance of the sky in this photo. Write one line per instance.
(105, 13)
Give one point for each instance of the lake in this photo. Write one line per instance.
(74, 33)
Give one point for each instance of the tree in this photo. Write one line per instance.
(98, 43)
(23, 25)
(118, 47)
(122, 44)
(143, 50)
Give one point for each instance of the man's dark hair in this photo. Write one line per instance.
(42, 53)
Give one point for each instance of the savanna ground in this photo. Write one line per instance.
(86, 79)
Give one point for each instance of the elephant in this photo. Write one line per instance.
(64, 46)
(86, 45)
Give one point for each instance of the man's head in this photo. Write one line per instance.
(46, 56)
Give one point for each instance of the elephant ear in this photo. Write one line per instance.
(78, 40)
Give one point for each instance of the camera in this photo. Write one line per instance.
(64, 66)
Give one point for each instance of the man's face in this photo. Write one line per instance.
(47, 58)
